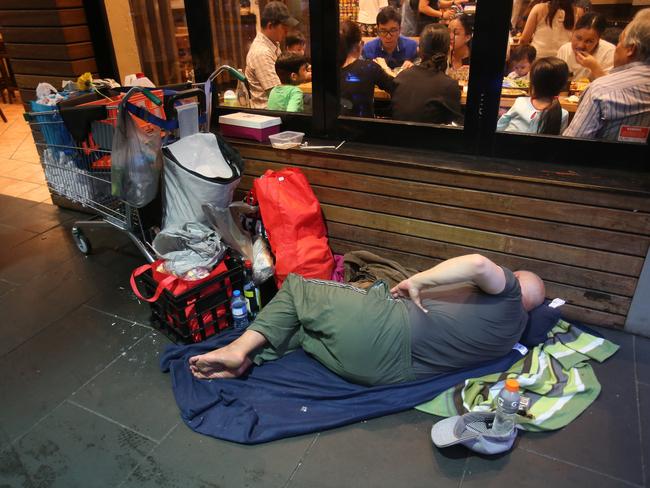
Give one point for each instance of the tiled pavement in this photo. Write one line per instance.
(84, 404)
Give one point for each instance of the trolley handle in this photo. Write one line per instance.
(152, 97)
(191, 93)
(138, 89)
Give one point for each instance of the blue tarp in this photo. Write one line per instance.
(293, 395)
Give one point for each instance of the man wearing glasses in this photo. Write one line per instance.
(398, 51)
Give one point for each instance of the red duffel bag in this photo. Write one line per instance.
(292, 217)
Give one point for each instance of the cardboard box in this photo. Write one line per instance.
(249, 126)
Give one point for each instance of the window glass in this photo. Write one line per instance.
(577, 70)
(269, 43)
(163, 41)
(405, 60)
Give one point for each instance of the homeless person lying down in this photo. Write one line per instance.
(462, 312)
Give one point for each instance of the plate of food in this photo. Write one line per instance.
(513, 92)
(517, 83)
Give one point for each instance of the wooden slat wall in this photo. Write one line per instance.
(154, 26)
(228, 40)
(47, 41)
(587, 242)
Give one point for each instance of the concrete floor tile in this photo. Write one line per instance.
(128, 390)
(11, 236)
(18, 188)
(612, 420)
(28, 172)
(521, 468)
(37, 218)
(38, 255)
(53, 364)
(187, 459)
(39, 195)
(642, 356)
(644, 408)
(75, 448)
(385, 452)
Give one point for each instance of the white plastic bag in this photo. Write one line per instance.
(136, 161)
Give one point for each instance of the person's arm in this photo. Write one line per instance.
(266, 75)
(472, 267)
(505, 119)
(424, 8)
(383, 80)
(531, 25)
(295, 103)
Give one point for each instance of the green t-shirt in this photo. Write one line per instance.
(285, 97)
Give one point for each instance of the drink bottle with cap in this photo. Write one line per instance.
(238, 310)
(507, 405)
(251, 292)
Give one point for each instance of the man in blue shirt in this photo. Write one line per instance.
(398, 51)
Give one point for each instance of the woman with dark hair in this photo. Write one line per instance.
(424, 93)
(541, 113)
(549, 26)
(461, 30)
(587, 55)
(358, 76)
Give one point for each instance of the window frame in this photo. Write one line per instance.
(478, 136)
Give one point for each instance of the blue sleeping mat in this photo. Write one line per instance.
(293, 395)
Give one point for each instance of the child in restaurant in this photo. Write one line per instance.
(295, 43)
(292, 69)
(541, 113)
(521, 59)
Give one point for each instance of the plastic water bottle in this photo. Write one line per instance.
(507, 406)
(251, 292)
(238, 310)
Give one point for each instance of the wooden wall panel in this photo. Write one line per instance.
(586, 236)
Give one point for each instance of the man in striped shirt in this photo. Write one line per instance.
(616, 107)
(264, 51)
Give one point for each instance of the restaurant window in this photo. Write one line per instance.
(405, 61)
(556, 50)
(269, 43)
(163, 40)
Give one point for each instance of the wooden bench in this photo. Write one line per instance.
(586, 232)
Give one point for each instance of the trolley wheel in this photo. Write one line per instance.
(82, 242)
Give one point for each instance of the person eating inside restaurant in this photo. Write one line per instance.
(521, 60)
(588, 56)
(541, 113)
(358, 76)
(264, 51)
(461, 30)
(424, 93)
(295, 42)
(396, 50)
(616, 107)
(435, 11)
(549, 26)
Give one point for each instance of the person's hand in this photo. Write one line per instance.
(448, 14)
(407, 289)
(382, 62)
(587, 60)
(407, 64)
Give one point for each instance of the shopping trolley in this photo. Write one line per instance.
(79, 168)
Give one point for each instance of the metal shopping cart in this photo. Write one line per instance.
(76, 159)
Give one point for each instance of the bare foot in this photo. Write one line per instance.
(220, 363)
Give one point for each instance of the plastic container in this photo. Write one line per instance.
(238, 310)
(507, 405)
(198, 313)
(286, 139)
